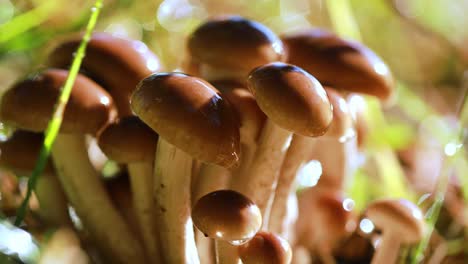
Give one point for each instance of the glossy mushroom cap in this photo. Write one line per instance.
(128, 140)
(324, 219)
(227, 215)
(342, 125)
(29, 104)
(292, 98)
(117, 64)
(339, 63)
(20, 153)
(266, 248)
(234, 43)
(251, 117)
(188, 113)
(401, 217)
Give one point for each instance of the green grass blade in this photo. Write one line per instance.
(54, 124)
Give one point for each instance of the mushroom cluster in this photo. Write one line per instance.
(217, 145)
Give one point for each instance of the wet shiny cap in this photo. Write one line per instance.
(128, 140)
(236, 43)
(400, 217)
(29, 104)
(117, 64)
(227, 215)
(342, 126)
(339, 63)
(188, 113)
(291, 98)
(20, 152)
(266, 248)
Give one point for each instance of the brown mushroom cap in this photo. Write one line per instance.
(292, 98)
(266, 248)
(20, 152)
(116, 63)
(128, 140)
(401, 217)
(29, 104)
(342, 125)
(227, 215)
(188, 113)
(236, 43)
(339, 63)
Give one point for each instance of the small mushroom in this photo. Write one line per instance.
(192, 120)
(116, 63)
(19, 154)
(325, 219)
(335, 160)
(29, 105)
(132, 142)
(266, 248)
(228, 216)
(401, 222)
(229, 47)
(294, 101)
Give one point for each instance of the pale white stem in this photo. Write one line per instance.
(337, 160)
(387, 249)
(141, 178)
(247, 154)
(260, 181)
(53, 203)
(91, 202)
(298, 153)
(172, 176)
(210, 178)
(226, 253)
(204, 247)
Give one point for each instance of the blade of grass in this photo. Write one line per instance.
(450, 159)
(26, 21)
(56, 121)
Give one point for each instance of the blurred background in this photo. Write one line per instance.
(416, 138)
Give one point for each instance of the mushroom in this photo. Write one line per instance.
(132, 142)
(29, 105)
(117, 64)
(19, 154)
(282, 91)
(229, 47)
(227, 215)
(338, 63)
(401, 222)
(266, 248)
(335, 160)
(325, 219)
(192, 120)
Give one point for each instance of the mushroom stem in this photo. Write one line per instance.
(86, 193)
(52, 201)
(210, 178)
(226, 253)
(338, 161)
(248, 152)
(172, 195)
(388, 248)
(297, 154)
(259, 182)
(141, 177)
